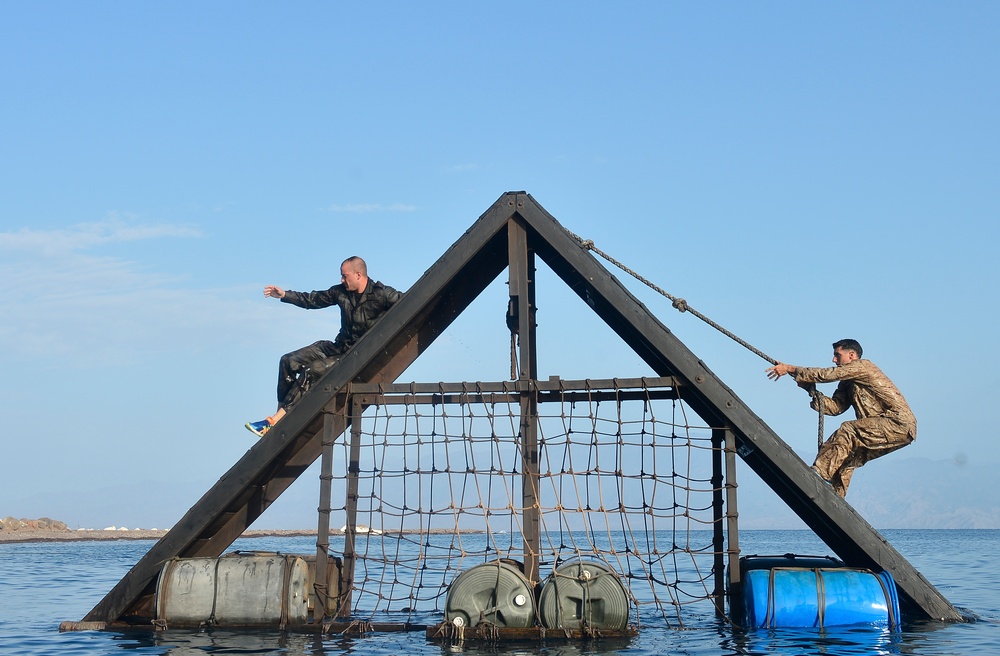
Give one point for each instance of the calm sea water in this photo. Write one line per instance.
(43, 584)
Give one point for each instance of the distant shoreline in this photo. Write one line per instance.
(50, 535)
(88, 535)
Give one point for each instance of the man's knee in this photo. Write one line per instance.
(846, 434)
(318, 368)
(299, 358)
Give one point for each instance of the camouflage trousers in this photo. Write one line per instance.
(855, 443)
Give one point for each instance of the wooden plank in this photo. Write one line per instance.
(718, 510)
(553, 384)
(321, 591)
(595, 395)
(521, 268)
(351, 512)
(733, 528)
(490, 633)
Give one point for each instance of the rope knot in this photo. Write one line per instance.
(587, 245)
(680, 304)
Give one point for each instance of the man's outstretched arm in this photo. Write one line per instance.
(779, 370)
(273, 291)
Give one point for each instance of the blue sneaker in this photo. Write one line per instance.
(258, 428)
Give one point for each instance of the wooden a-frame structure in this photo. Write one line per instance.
(510, 234)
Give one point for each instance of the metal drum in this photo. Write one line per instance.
(494, 592)
(584, 594)
(256, 589)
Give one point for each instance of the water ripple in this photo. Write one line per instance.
(42, 584)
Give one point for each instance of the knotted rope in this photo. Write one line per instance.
(817, 397)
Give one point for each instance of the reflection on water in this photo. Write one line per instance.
(42, 584)
(856, 640)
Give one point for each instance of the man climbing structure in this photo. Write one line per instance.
(884, 420)
(362, 302)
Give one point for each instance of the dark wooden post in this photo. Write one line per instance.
(733, 530)
(320, 587)
(718, 517)
(522, 294)
(351, 510)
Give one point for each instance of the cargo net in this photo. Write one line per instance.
(625, 480)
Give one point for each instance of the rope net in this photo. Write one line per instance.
(625, 478)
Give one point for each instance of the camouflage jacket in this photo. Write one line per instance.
(358, 312)
(862, 386)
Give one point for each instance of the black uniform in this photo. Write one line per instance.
(358, 313)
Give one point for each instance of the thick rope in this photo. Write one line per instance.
(682, 306)
(679, 303)
(818, 398)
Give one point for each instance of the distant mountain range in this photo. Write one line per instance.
(894, 492)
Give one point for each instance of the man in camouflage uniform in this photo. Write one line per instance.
(884, 420)
(362, 302)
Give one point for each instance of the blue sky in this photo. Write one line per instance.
(800, 172)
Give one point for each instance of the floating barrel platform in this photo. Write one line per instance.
(495, 592)
(810, 591)
(242, 589)
(584, 594)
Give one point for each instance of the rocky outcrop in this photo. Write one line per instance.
(42, 524)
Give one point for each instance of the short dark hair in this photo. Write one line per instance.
(357, 264)
(848, 345)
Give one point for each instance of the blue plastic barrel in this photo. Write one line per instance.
(819, 597)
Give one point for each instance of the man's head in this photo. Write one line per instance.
(846, 350)
(354, 274)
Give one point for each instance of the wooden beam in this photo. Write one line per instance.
(521, 269)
